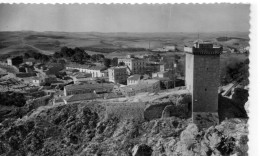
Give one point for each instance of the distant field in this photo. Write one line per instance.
(50, 42)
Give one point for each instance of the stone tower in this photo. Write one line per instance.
(202, 80)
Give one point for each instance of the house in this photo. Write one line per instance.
(164, 74)
(81, 98)
(23, 75)
(87, 88)
(96, 71)
(25, 68)
(81, 77)
(30, 61)
(150, 85)
(135, 65)
(170, 48)
(134, 79)
(36, 81)
(14, 61)
(117, 74)
(50, 79)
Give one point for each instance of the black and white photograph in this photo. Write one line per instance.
(124, 80)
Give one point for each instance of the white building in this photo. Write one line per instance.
(135, 65)
(96, 71)
(133, 79)
(170, 48)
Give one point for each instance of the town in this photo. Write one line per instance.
(67, 81)
(125, 80)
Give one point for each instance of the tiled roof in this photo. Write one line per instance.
(82, 97)
(134, 77)
(142, 84)
(89, 86)
(84, 66)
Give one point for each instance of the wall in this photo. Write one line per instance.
(189, 71)
(206, 82)
(133, 110)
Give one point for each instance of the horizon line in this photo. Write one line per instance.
(124, 31)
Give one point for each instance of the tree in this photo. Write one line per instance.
(114, 61)
(107, 62)
(121, 64)
(26, 55)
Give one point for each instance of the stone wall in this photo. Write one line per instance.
(133, 110)
(177, 105)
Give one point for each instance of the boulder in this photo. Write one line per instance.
(142, 150)
(167, 111)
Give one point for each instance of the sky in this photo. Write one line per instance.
(125, 18)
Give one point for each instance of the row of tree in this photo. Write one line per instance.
(37, 56)
(78, 55)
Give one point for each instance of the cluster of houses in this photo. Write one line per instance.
(71, 82)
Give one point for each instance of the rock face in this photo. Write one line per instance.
(84, 129)
(142, 150)
(178, 105)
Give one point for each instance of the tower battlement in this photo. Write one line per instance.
(203, 48)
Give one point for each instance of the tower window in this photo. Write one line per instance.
(205, 89)
(207, 68)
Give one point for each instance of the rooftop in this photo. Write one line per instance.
(82, 97)
(134, 77)
(203, 48)
(85, 66)
(89, 86)
(117, 67)
(140, 85)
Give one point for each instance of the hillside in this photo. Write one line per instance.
(91, 129)
(49, 42)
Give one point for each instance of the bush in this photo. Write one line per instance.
(12, 99)
(235, 70)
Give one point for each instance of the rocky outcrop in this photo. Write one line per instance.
(175, 105)
(85, 129)
(230, 108)
(142, 150)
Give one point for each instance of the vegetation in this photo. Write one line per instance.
(114, 61)
(12, 99)
(37, 56)
(75, 55)
(109, 50)
(235, 70)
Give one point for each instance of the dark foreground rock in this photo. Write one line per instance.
(85, 130)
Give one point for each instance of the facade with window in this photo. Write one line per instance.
(117, 74)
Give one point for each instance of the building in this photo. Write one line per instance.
(30, 61)
(36, 81)
(40, 81)
(163, 74)
(202, 80)
(14, 61)
(134, 79)
(152, 67)
(96, 71)
(49, 79)
(170, 48)
(135, 65)
(87, 88)
(150, 85)
(81, 77)
(117, 74)
(80, 98)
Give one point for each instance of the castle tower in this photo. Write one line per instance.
(202, 80)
